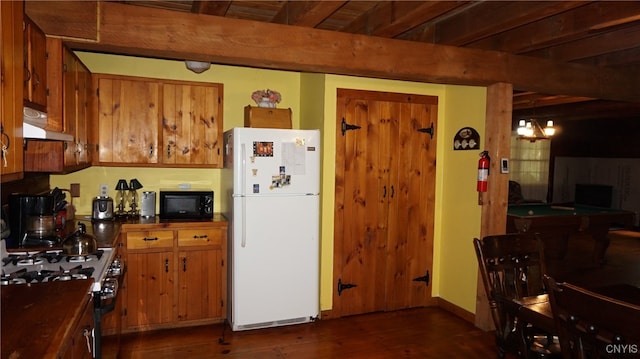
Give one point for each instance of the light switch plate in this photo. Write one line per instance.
(504, 165)
(104, 190)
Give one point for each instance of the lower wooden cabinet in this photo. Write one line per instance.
(81, 344)
(176, 276)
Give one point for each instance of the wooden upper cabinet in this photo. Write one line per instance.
(11, 89)
(77, 91)
(157, 122)
(35, 66)
(128, 117)
(67, 111)
(191, 124)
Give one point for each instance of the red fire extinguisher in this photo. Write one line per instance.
(483, 171)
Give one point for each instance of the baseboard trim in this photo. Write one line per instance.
(440, 303)
(457, 311)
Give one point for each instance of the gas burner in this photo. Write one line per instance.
(88, 258)
(29, 259)
(23, 276)
(13, 278)
(22, 259)
(74, 273)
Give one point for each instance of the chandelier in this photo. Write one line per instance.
(531, 130)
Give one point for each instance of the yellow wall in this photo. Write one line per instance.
(312, 98)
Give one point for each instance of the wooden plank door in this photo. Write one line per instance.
(361, 211)
(411, 207)
(385, 173)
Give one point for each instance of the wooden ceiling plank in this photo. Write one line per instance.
(627, 37)
(488, 18)
(629, 57)
(558, 29)
(133, 30)
(550, 101)
(306, 13)
(610, 110)
(218, 7)
(391, 19)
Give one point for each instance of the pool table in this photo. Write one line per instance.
(555, 223)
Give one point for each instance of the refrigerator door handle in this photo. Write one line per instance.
(243, 243)
(243, 155)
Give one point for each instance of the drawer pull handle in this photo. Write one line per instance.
(150, 238)
(88, 338)
(166, 265)
(195, 236)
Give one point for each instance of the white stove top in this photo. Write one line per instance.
(44, 266)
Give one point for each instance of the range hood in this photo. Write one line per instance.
(34, 127)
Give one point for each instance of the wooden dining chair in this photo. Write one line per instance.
(512, 266)
(591, 325)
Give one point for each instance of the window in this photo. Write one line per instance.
(530, 167)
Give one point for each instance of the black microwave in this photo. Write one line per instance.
(186, 204)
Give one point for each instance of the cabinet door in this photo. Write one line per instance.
(192, 124)
(200, 293)
(128, 120)
(201, 274)
(11, 94)
(150, 288)
(69, 105)
(35, 62)
(81, 343)
(83, 113)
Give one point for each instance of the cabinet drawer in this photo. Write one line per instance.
(149, 239)
(200, 237)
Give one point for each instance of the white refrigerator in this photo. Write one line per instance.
(273, 207)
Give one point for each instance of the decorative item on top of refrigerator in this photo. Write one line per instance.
(273, 210)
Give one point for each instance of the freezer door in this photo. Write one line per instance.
(274, 162)
(275, 261)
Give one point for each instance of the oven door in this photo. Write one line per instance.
(108, 311)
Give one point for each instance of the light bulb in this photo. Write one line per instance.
(549, 130)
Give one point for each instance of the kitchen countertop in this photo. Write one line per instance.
(37, 320)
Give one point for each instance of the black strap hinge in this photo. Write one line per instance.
(346, 127)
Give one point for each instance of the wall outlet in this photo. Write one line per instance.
(104, 190)
(74, 189)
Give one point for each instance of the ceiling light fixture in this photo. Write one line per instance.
(197, 66)
(531, 130)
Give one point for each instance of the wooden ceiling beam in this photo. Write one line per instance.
(138, 31)
(77, 19)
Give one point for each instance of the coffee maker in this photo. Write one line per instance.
(32, 220)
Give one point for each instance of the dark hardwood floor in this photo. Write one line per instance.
(414, 333)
